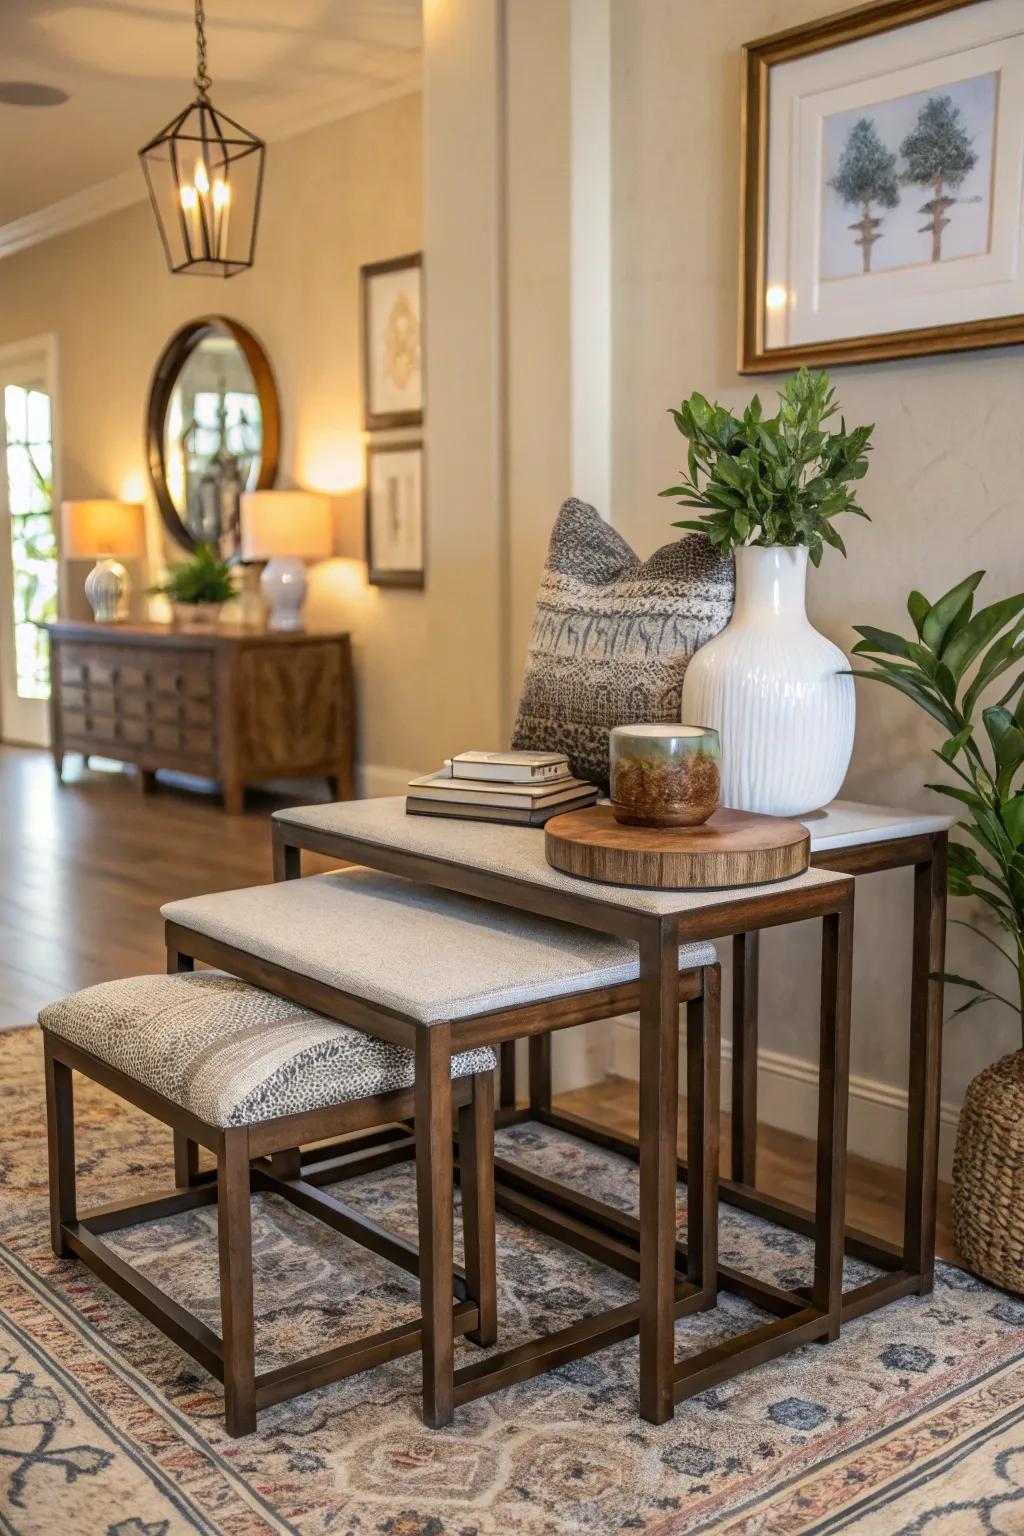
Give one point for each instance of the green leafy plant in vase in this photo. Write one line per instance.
(198, 588)
(955, 658)
(769, 489)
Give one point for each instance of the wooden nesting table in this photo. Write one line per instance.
(506, 865)
(855, 839)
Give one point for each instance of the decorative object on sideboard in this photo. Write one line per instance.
(392, 342)
(731, 848)
(212, 430)
(197, 588)
(955, 658)
(285, 528)
(664, 775)
(107, 532)
(890, 221)
(774, 688)
(613, 635)
(204, 173)
(395, 537)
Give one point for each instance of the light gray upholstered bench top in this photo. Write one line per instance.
(230, 1053)
(427, 953)
(515, 853)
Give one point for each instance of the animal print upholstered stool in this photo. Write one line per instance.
(249, 1075)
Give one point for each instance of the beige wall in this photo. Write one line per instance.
(335, 197)
(944, 489)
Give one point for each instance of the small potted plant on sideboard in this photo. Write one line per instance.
(198, 588)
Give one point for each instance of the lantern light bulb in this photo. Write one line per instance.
(221, 194)
(200, 178)
(189, 198)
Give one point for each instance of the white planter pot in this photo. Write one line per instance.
(773, 688)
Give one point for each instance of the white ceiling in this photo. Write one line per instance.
(278, 66)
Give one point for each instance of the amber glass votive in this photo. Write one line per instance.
(664, 775)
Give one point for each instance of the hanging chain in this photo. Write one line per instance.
(202, 79)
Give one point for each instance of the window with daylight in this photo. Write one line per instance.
(29, 445)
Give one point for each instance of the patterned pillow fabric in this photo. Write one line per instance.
(612, 635)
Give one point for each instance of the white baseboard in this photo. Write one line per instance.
(787, 1097)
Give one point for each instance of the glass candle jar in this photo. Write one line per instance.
(664, 775)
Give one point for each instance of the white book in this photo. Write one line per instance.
(439, 786)
(509, 767)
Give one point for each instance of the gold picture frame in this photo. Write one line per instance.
(760, 58)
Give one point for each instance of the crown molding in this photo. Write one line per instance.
(128, 187)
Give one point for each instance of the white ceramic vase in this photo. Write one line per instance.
(774, 689)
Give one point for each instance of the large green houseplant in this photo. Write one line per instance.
(955, 660)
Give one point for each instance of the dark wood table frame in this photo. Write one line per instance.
(647, 1247)
(259, 1157)
(909, 1267)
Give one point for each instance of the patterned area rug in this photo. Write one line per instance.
(913, 1422)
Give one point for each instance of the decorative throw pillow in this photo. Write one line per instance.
(612, 635)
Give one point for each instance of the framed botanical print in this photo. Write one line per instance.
(394, 514)
(393, 342)
(881, 185)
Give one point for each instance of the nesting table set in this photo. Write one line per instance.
(507, 866)
(369, 1004)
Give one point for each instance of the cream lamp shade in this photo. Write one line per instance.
(92, 528)
(294, 524)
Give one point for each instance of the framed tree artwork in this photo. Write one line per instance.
(881, 185)
(394, 514)
(393, 342)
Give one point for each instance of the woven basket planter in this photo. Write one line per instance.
(988, 1174)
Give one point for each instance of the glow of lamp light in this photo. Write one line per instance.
(221, 209)
(200, 178)
(775, 297)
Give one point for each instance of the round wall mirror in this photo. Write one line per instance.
(212, 430)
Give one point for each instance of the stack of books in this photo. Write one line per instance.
(525, 788)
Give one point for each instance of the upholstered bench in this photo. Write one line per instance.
(441, 972)
(250, 1075)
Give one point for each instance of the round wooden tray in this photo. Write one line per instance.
(731, 848)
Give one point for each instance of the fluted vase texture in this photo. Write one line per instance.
(775, 691)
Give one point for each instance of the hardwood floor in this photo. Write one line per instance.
(85, 868)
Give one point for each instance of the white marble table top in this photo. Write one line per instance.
(514, 853)
(848, 824)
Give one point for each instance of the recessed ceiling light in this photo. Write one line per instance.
(27, 93)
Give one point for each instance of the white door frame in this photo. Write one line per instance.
(24, 720)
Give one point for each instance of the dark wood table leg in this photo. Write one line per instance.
(539, 1047)
(703, 1073)
(60, 1127)
(659, 1097)
(833, 1104)
(234, 1223)
(186, 1152)
(476, 1165)
(287, 860)
(434, 1180)
(925, 1087)
(746, 954)
(507, 1075)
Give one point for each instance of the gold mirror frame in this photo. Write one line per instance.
(173, 358)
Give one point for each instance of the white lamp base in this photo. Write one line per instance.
(106, 587)
(283, 585)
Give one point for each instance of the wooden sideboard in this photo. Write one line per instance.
(240, 706)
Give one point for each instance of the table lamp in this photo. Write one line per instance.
(104, 531)
(285, 528)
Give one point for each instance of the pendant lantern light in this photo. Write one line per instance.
(204, 172)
